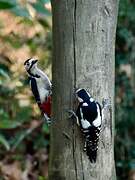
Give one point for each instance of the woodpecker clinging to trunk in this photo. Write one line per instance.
(89, 116)
(40, 86)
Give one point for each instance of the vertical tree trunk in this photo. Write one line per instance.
(83, 57)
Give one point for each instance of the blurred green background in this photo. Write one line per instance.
(25, 31)
(125, 92)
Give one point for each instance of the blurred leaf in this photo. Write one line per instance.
(4, 74)
(5, 4)
(24, 114)
(11, 1)
(39, 7)
(4, 124)
(42, 178)
(15, 41)
(44, 1)
(20, 11)
(21, 137)
(45, 128)
(4, 142)
(40, 142)
(44, 23)
(3, 115)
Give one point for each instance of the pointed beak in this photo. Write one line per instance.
(35, 61)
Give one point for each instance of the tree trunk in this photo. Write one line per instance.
(83, 57)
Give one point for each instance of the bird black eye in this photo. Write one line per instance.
(27, 63)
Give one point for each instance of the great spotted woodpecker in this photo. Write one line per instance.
(40, 86)
(89, 116)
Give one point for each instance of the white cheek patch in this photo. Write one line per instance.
(80, 99)
(32, 59)
(84, 104)
(26, 67)
(78, 90)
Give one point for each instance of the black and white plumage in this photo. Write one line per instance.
(40, 86)
(89, 114)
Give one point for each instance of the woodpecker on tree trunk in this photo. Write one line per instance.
(89, 118)
(40, 86)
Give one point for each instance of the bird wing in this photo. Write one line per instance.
(45, 79)
(89, 111)
(34, 89)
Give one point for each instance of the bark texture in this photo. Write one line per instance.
(83, 57)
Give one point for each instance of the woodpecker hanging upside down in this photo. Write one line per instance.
(40, 86)
(89, 116)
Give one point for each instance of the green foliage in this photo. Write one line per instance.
(22, 131)
(5, 4)
(39, 7)
(4, 142)
(125, 90)
(14, 7)
(19, 10)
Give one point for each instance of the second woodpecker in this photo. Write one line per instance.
(40, 86)
(89, 114)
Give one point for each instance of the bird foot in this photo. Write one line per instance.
(106, 102)
(47, 120)
(72, 114)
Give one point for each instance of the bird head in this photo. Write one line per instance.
(30, 64)
(82, 95)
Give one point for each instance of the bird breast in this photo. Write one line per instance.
(43, 92)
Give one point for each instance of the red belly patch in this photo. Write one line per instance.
(45, 107)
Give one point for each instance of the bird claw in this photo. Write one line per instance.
(106, 102)
(47, 120)
(72, 114)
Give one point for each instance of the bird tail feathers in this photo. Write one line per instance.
(92, 139)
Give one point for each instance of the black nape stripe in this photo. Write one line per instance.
(26, 61)
(31, 74)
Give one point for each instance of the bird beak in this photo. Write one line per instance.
(35, 61)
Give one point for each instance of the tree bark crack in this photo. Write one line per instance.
(74, 145)
(74, 42)
(74, 55)
(82, 167)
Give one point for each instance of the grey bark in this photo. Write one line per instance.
(83, 57)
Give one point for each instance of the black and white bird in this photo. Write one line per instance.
(40, 86)
(89, 115)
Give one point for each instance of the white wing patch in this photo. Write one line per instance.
(85, 104)
(91, 99)
(85, 124)
(97, 121)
